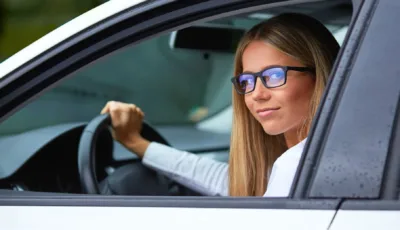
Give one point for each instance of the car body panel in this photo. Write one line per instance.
(368, 214)
(366, 220)
(105, 218)
(44, 211)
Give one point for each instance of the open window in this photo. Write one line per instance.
(179, 80)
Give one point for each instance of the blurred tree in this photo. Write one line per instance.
(28, 20)
(2, 21)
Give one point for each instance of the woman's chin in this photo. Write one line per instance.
(273, 131)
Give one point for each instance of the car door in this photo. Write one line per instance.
(313, 201)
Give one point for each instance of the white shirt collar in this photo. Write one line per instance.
(284, 170)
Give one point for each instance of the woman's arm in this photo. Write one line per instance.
(204, 175)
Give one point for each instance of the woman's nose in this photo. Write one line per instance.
(260, 91)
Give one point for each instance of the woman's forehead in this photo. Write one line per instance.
(258, 55)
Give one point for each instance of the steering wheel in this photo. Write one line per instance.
(87, 149)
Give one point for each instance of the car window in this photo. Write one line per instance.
(178, 81)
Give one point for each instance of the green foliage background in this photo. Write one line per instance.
(24, 21)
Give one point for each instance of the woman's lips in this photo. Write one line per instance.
(266, 112)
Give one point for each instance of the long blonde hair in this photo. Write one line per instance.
(252, 151)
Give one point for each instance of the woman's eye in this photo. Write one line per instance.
(244, 81)
(276, 75)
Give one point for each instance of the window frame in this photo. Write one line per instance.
(389, 190)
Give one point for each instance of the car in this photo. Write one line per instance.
(61, 169)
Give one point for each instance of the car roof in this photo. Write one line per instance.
(63, 32)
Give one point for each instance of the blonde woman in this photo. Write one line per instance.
(281, 69)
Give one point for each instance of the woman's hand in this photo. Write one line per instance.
(127, 122)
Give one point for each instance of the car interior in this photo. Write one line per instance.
(180, 79)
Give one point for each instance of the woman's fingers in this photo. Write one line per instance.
(122, 113)
(106, 108)
(140, 112)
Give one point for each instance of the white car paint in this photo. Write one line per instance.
(65, 31)
(106, 218)
(366, 220)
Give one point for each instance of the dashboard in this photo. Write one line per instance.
(45, 160)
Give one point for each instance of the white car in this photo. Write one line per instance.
(174, 59)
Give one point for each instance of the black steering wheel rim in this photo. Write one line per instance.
(87, 149)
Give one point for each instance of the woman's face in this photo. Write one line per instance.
(282, 109)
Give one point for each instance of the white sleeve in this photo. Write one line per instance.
(204, 175)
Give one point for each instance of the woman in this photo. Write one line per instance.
(281, 69)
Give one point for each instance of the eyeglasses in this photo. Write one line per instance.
(271, 77)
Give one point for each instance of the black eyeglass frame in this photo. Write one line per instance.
(259, 74)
